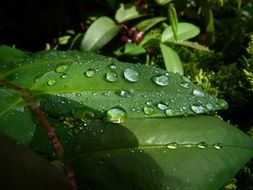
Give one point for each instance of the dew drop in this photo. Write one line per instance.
(209, 106)
(111, 76)
(64, 75)
(89, 73)
(61, 68)
(116, 115)
(185, 84)
(148, 110)
(197, 92)
(149, 103)
(202, 145)
(172, 145)
(113, 66)
(169, 112)
(218, 146)
(161, 80)
(197, 108)
(222, 103)
(51, 82)
(124, 93)
(162, 106)
(131, 75)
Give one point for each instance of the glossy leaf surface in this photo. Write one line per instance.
(99, 34)
(149, 23)
(126, 12)
(104, 83)
(185, 31)
(158, 153)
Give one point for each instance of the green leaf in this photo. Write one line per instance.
(23, 169)
(171, 60)
(163, 2)
(173, 21)
(149, 23)
(99, 34)
(158, 153)
(185, 32)
(126, 12)
(12, 115)
(104, 84)
(133, 49)
(194, 45)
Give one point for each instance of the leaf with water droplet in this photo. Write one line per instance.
(99, 80)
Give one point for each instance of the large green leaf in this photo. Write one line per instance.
(185, 31)
(111, 87)
(158, 153)
(99, 34)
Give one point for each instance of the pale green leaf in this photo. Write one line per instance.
(185, 31)
(149, 23)
(163, 2)
(126, 12)
(171, 60)
(99, 34)
(133, 49)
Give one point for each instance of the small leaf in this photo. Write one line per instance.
(171, 60)
(185, 32)
(149, 23)
(194, 45)
(112, 156)
(99, 34)
(133, 49)
(126, 12)
(173, 21)
(163, 2)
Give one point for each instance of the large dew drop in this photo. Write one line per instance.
(131, 75)
(162, 106)
(197, 92)
(148, 110)
(90, 73)
(169, 112)
(111, 76)
(161, 80)
(218, 146)
(116, 115)
(202, 145)
(172, 145)
(51, 82)
(61, 68)
(198, 108)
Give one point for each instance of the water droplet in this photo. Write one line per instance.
(209, 106)
(198, 108)
(149, 103)
(64, 75)
(51, 82)
(124, 93)
(116, 115)
(185, 84)
(113, 66)
(131, 75)
(169, 112)
(61, 68)
(202, 145)
(89, 73)
(162, 106)
(148, 110)
(218, 146)
(161, 80)
(111, 76)
(197, 92)
(222, 103)
(172, 145)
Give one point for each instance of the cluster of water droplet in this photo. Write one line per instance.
(201, 145)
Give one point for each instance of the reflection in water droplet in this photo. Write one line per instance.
(131, 75)
(186, 82)
(89, 73)
(116, 115)
(202, 145)
(51, 82)
(172, 145)
(198, 108)
(148, 110)
(161, 80)
(162, 106)
(64, 75)
(197, 92)
(170, 112)
(218, 146)
(209, 106)
(61, 68)
(124, 93)
(111, 76)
